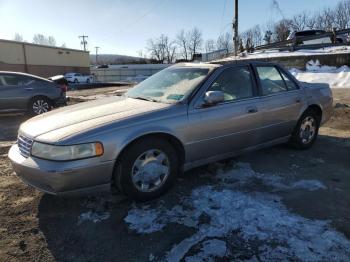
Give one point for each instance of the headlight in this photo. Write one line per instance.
(63, 153)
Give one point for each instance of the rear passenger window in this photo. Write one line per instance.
(271, 80)
(290, 84)
(235, 83)
(16, 80)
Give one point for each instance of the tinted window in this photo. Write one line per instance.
(16, 80)
(271, 80)
(290, 84)
(236, 83)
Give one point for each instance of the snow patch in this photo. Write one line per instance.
(211, 249)
(255, 216)
(93, 217)
(311, 185)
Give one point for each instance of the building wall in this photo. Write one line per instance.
(126, 72)
(42, 60)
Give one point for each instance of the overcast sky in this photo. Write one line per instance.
(124, 26)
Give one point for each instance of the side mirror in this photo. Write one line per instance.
(213, 97)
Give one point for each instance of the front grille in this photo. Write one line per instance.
(24, 145)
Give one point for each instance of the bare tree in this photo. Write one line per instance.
(299, 22)
(18, 37)
(169, 48)
(256, 36)
(156, 50)
(342, 14)
(281, 30)
(182, 40)
(268, 37)
(43, 40)
(209, 45)
(195, 41)
(224, 42)
(325, 19)
(162, 49)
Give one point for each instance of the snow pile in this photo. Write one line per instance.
(251, 217)
(302, 52)
(317, 73)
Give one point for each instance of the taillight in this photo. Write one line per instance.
(64, 88)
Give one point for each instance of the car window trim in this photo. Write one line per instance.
(290, 77)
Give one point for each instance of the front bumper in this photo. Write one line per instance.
(62, 177)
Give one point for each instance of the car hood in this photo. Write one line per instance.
(59, 124)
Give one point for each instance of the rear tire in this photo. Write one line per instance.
(146, 169)
(39, 105)
(306, 131)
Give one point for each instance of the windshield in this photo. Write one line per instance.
(170, 85)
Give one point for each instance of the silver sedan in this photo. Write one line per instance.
(182, 117)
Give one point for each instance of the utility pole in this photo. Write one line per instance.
(235, 28)
(97, 47)
(84, 42)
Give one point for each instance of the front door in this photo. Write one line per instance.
(231, 125)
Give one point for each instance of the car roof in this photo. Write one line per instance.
(23, 74)
(242, 63)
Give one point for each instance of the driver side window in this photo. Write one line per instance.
(235, 83)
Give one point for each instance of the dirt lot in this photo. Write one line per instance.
(274, 204)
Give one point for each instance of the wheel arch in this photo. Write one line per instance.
(316, 108)
(173, 141)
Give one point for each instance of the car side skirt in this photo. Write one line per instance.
(212, 159)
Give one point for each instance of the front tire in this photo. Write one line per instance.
(147, 169)
(39, 105)
(306, 131)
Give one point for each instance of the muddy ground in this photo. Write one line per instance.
(306, 192)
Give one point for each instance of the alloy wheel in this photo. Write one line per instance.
(150, 170)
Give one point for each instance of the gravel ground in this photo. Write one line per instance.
(269, 205)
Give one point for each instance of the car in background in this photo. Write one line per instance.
(78, 78)
(322, 40)
(27, 93)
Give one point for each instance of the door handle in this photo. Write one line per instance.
(298, 100)
(29, 88)
(252, 110)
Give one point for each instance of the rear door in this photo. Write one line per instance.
(282, 101)
(229, 126)
(15, 92)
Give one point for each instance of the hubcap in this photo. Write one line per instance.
(40, 106)
(307, 129)
(150, 170)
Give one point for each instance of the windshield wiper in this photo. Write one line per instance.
(146, 98)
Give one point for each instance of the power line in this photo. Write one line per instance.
(84, 42)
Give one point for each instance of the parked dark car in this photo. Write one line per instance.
(31, 94)
(322, 40)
